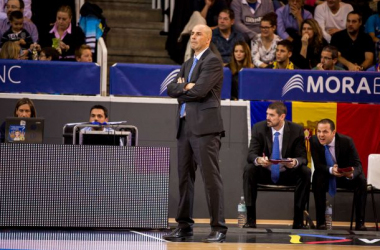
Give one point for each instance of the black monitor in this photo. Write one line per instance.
(111, 138)
(71, 132)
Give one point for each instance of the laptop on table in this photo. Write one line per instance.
(24, 130)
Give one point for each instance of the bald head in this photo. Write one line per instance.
(200, 38)
(206, 29)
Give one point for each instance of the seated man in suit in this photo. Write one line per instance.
(277, 138)
(332, 151)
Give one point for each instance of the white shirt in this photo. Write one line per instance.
(200, 54)
(327, 20)
(280, 139)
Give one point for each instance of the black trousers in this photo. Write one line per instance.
(321, 186)
(201, 151)
(299, 177)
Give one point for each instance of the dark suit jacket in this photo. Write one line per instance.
(293, 143)
(203, 110)
(345, 153)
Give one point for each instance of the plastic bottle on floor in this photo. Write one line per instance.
(242, 213)
(328, 216)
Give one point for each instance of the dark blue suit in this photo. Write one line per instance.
(199, 136)
(346, 156)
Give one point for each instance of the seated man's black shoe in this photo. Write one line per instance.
(215, 236)
(360, 227)
(299, 226)
(321, 227)
(249, 225)
(179, 234)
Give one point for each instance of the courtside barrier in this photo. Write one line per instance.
(20, 76)
(309, 85)
(151, 79)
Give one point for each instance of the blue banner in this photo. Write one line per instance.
(49, 77)
(151, 79)
(259, 111)
(309, 85)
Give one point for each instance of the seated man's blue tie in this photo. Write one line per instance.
(330, 163)
(275, 168)
(183, 106)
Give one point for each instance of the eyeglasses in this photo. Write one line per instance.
(326, 58)
(265, 27)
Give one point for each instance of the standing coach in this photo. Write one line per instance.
(200, 128)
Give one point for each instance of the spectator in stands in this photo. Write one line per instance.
(13, 5)
(10, 50)
(290, 18)
(375, 67)
(207, 13)
(98, 116)
(240, 58)
(210, 9)
(16, 32)
(355, 47)
(362, 6)
(307, 50)
(329, 57)
(283, 53)
(24, 108)
(83, 54)
(332, 17)
(372, 27)
(311, 4)
(332, 151)
(225, 36)
(248, 14)
(27, 9)
(265, 43)
(64, 37)
(49, 54)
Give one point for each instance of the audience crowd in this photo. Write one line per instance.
(320, 35)
(21, 39)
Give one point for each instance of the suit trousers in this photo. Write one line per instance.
(201, 151)
(299, 177)
(321, 186)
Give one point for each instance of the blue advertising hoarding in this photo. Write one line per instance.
(20, 76)
(309, 85)
(151, 79)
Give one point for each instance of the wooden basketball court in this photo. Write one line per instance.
(268, 235)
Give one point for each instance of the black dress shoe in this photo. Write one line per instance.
(215, 236)
(179, 234)
(249, 225)
(360, 227)
(321, 227)
(300, 226)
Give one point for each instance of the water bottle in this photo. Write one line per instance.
(34, 52)
(242, 213)
(328, 216)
